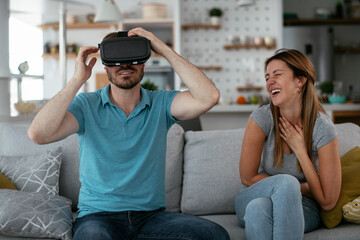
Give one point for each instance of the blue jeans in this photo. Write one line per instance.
(146, 225)
(274, 208)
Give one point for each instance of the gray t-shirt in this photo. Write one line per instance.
(323, 133)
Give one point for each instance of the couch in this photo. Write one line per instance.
(202, 176)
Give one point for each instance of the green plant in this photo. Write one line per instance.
(149, 85)
(215, 12)
(326, 87)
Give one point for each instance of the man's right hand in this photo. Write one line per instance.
(82, 70)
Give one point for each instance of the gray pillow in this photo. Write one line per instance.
(34, 173)
(35, 214)
(211, 178)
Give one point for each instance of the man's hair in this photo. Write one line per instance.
(110, 35)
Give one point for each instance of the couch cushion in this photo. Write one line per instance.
(174, 167)
(211, 171)
(17, 143)
(348, 135)
(35, 215)
(34, 173)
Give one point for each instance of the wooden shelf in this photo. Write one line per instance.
(347, 49)
(79, 25)
(207, 68)
(247, 46)
(68, 55)
(249, 88)
(200, 26)
(330, 21)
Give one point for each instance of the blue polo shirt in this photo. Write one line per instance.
(122, 158)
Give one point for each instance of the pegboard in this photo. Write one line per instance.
(204, 47)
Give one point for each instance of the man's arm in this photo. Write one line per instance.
(202, 94)
(53, 122)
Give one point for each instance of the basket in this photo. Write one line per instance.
(153, 10)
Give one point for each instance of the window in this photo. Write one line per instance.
(25, 44)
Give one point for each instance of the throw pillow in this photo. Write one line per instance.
(350, 188)
(34, 173)
(6, 183)
(211, 178)
(37, 215)
(351, 211)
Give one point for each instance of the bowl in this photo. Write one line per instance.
(336, 99)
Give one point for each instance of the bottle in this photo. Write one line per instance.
(339, 10)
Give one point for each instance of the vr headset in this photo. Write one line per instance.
(124, 50)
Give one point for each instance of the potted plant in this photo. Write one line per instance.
(215, 14)
(149, 85)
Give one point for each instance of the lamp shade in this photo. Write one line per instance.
(108, 12)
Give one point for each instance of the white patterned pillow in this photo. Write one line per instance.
(34, 214)
(34, 173)
(351, 211)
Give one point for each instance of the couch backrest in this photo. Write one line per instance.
(211, 178)
(17, 143)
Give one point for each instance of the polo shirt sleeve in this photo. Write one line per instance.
(169, 97)
(76, 108)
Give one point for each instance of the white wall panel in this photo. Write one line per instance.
(240, 67)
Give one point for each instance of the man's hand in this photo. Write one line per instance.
(82, 70)
(157, 45)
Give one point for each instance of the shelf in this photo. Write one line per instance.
(249, 88)
(200, 26)
(207, 68)
(68, 55)
(347, 49)
(331, 21)
(247, 46)
(79, 25)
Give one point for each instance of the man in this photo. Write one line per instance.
(122, 131)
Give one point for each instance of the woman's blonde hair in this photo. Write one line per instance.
(311, 106)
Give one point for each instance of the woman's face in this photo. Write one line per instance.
(281, 84)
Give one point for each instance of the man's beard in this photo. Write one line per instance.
(127, 82)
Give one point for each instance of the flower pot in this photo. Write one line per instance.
(215, 20)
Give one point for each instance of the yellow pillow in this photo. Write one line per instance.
(6, 183)
(351, 211)
(350, 188)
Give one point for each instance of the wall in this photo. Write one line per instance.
(240, 67)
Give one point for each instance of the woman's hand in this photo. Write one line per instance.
(293, 136)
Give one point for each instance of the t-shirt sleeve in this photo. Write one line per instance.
(169, 97)
(324, 131)
(262, 116)
(76, 108)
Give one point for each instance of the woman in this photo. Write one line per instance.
(289, 161)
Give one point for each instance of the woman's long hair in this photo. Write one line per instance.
(311, 106)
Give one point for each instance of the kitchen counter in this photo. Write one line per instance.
(235, 116)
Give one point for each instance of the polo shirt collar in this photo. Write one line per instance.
(145, 99)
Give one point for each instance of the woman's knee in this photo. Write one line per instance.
(287, 183)
(259, 210)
